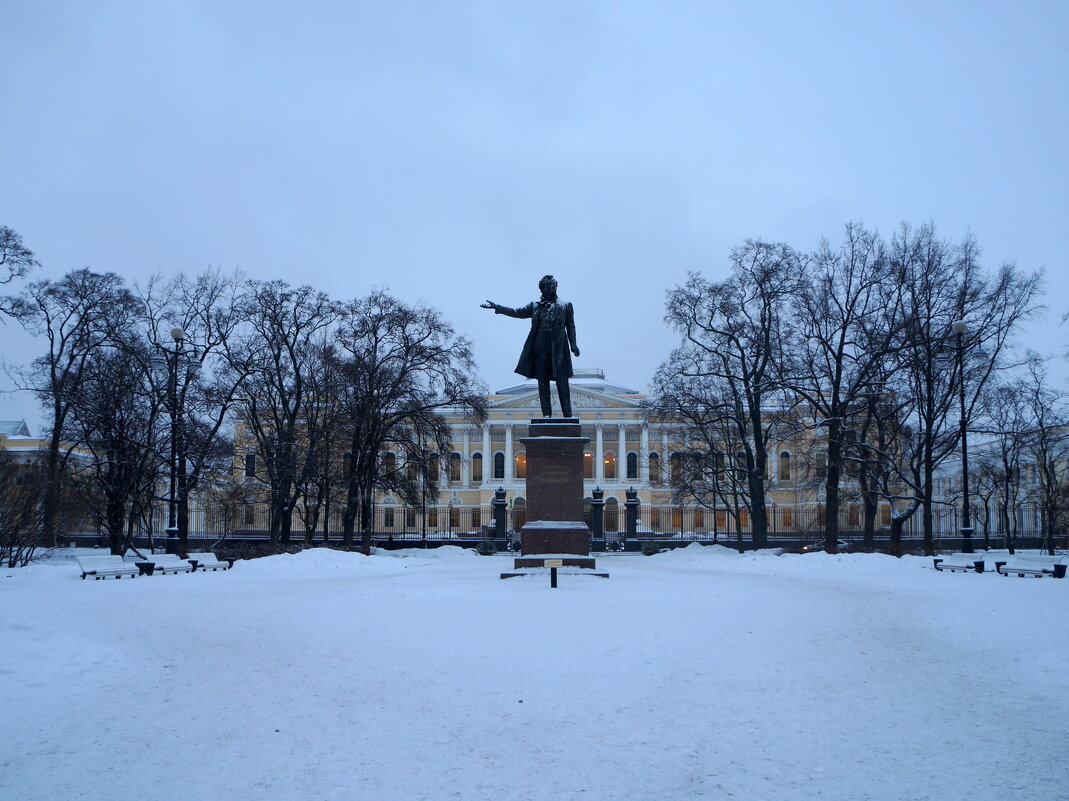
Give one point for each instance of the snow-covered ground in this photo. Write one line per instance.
(420, 675)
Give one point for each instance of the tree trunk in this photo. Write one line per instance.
(366, 522)
(758, 521)
(50, 500)
(831, 489)
(926, 512)
(348, 518)
(871, 510)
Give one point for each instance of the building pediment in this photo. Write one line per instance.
(581, 399)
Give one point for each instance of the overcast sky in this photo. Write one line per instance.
(454, 152)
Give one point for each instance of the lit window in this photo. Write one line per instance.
(610, 465)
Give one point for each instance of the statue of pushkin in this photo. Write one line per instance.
(545, 355)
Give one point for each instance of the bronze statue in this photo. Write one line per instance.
(545, 355)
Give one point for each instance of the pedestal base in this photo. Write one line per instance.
(566, 560)
(555, 536)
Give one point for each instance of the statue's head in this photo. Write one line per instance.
(548, 285)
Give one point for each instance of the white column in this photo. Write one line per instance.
(644, 454)
(508, 453)
(599, 453)
(621, 455)
(664, 455)
(465, 465)
(488, 458)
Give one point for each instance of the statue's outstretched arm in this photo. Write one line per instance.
(523, 311)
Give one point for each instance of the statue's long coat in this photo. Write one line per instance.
(560, 321)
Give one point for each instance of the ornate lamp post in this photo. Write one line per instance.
(959, 328)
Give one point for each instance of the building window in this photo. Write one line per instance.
(632, 465)
(387, 518)
(432, 518)
(655, 519)
(699, 519)
(250, 515)
(454, 467)
(786, 517)
(588, 464)
(476, 518)
(499, 465)
(610, 465)
(389, 463)
(410, 518)
(521, 465)
(454, 517)
(785, 466)
(250, 465)
(675, 467)
(655, 469)
(477, 468)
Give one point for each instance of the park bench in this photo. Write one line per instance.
(960, 561)
(100, 567)
(209, 561)
(1032, 565)
(169, 563)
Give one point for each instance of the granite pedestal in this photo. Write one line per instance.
(555, 528)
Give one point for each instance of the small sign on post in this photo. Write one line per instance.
(553, 564)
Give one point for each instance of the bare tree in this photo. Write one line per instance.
(15, 258)
(322, 440)
(21, 490)
(848, 318)
(75, 315)
(403, 367)
(113, 419)
(943, 284)
(276, 358)
(1007, 422)
(205, 309)
(733, 332)
(1048, 447)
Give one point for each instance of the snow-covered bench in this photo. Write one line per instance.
(100, 567)
(1032, 565)
(208, 561)
(169, 563)
(960, 561)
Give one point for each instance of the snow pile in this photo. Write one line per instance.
(418, 674)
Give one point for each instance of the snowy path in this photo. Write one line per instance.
(696, 674)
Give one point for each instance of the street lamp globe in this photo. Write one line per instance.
(177, 334)
(959, 327)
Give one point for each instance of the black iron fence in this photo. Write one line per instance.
(465, 524)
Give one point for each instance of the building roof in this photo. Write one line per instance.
(590, 378)
(14, 428)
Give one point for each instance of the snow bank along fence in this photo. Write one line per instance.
(788, 526)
